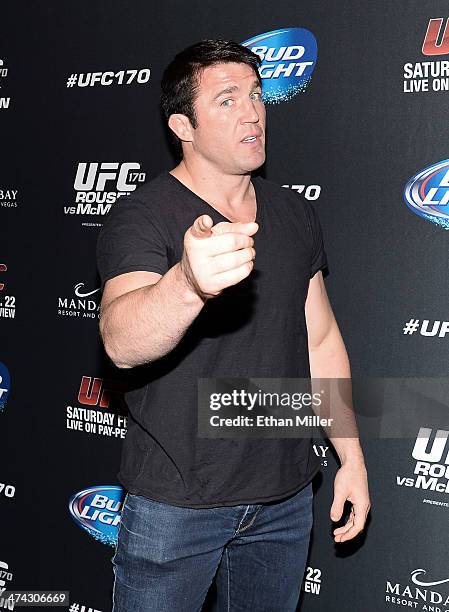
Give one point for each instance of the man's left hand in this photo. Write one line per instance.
(351, 483)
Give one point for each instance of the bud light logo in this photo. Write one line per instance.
(5, 384)
(288, 59)
(427, 193)
(97, 510)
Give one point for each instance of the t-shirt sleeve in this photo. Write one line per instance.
(131, 239)
(318, 253)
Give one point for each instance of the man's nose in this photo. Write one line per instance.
(250, 114)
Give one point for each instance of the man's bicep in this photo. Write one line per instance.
(124, 283)
(318, 311)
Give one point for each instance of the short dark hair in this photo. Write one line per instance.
(181, 78)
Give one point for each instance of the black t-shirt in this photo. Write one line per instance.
(253, 329)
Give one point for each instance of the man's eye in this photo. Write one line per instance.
(224, 103)
(257, 94)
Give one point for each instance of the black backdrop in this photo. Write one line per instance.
(353, 138)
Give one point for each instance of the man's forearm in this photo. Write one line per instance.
(330, 360)
(147, 323)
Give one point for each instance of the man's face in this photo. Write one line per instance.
(229, 109)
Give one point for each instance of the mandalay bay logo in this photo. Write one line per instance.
(426, 592)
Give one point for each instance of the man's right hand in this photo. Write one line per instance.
(217, 256)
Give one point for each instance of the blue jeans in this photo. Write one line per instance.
(167, 556)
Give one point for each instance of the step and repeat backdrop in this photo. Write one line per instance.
(357, 100)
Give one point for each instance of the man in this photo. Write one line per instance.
(208, 272)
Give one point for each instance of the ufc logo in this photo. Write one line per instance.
(3, 268)
(435, 454)
(92, 392)
(430, 46)
(4, 566)
(95, 180)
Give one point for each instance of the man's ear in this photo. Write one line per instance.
(181, 126)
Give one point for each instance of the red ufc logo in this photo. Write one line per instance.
(430, 46)
(92, 391)
(3, 268)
